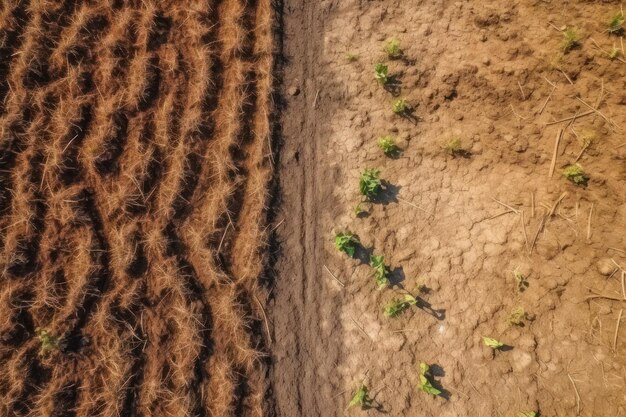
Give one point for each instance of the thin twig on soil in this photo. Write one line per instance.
(541, 224)
(545, 103)
(556, 203)
(413, 205)
(616, 250)
(361, 329)
(516, 211)
(334, 277)
(619, 319)
(567, 76)
(524, 230)
(567, 119)
(522, 91)
(556, 150)
(606, 52)
(500, 214)
(577, 395)
(532, 205)
(265, 320)
(589, 223)
(317, 93)
(609, 121)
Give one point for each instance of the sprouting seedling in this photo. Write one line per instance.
(400, 106)
(571, 39)
(587, 137)
(528, 414)
(576, 174)
(453, 146)
(361, 398)
(358, 209)
(615, 53)
(396, 306)
(369, 183)
(425, 384)
(521, 283)
(516, 316)
(346, 242)
(381, 271)
(392, 48)
(350, 57)
(48, 341)
(388, 145)
(380, 73)
(616, 23)
(492, 343)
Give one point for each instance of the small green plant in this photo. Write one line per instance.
(516, 316)
(392, 48)
(528, 414)
(346, 242)
(350, 57)
(616, 23)
(369, 183)
(576, 174)
(358, 209)
(380, 73)
(587, 137)
(400, 106)
(361, 398)
(521, 283)
(453, 146)
(615, 53)
(571, 39)
(387, 145)
(48, 341)
(425, 384)
(396, 306)
(492, 343)
(381, 271)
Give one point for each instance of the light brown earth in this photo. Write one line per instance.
(481, 71)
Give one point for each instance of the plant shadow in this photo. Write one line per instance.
(388, 194)
(437, 371)
(409, 114)
(461, 153)
(363, 254)
(396, 277)
(393, 85)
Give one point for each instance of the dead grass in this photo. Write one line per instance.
(136, 160)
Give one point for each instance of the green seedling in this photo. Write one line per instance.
(615, 53)
(528, 414)
(571, 39)
(576, 174)
(361, 398)
(492, 343)
(48, 341)
(400, 106)
(347, 243)
(425, 384)
(516, 316)
(381, 271)
(350, 57)
(521, 283)
(387, 145)
(392, 48)
(369, 183)
(616, 23)
(358, 209)
(587, 137)
(396, 307)
(380, 73)
(453, 146)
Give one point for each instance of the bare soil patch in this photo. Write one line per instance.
(135, 159)
(462, 224)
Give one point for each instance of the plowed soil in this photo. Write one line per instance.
(492, 74)
(135, 164)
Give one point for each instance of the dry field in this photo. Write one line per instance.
(135, 164)
(474, 232)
